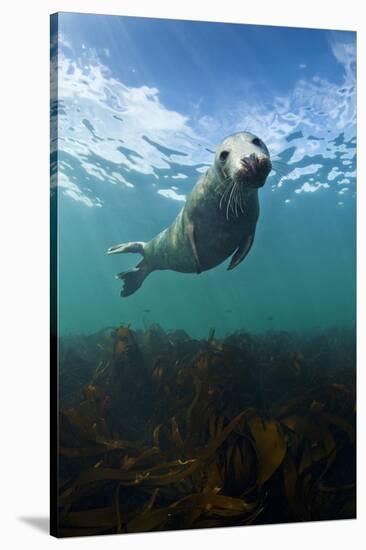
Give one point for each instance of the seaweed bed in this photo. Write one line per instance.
(161, 431)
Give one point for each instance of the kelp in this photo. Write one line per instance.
(162, 431)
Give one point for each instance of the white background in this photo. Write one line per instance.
(24, 378)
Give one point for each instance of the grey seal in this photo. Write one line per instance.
(218, 220)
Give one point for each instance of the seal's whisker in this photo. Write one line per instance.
(279, 170)
(280, 167)
(241, 199)
(278, 161)
(278, 164)
(223, 195)
(232, 197)
(236, 200)
(224, 181)
(239, 202)
(226, 192)
(222, 200)
(227, 206)
(242, 202)
(229, 201)
(281, 174)
(278, 176)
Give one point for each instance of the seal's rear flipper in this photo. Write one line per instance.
(133, 279)
(134, 247)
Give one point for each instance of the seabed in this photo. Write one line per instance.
(159, 431)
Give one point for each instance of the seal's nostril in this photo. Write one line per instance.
(251, 162)
(250, 157)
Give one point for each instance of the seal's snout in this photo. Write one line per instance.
(256, 169)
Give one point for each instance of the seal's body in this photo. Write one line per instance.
(201, 221)
(218, 220)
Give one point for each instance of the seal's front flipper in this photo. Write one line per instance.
(134, 247)
(133, 279)
(190, 230)
(241, 252)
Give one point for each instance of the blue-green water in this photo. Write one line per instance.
(141, 106)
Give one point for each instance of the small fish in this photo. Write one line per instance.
(146, 311)
(228, 310)
(269, 318)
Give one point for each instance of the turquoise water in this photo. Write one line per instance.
(139, 116)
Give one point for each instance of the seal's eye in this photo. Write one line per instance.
(257, 141)
(224, 155)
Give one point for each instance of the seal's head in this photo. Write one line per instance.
(243, 158)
